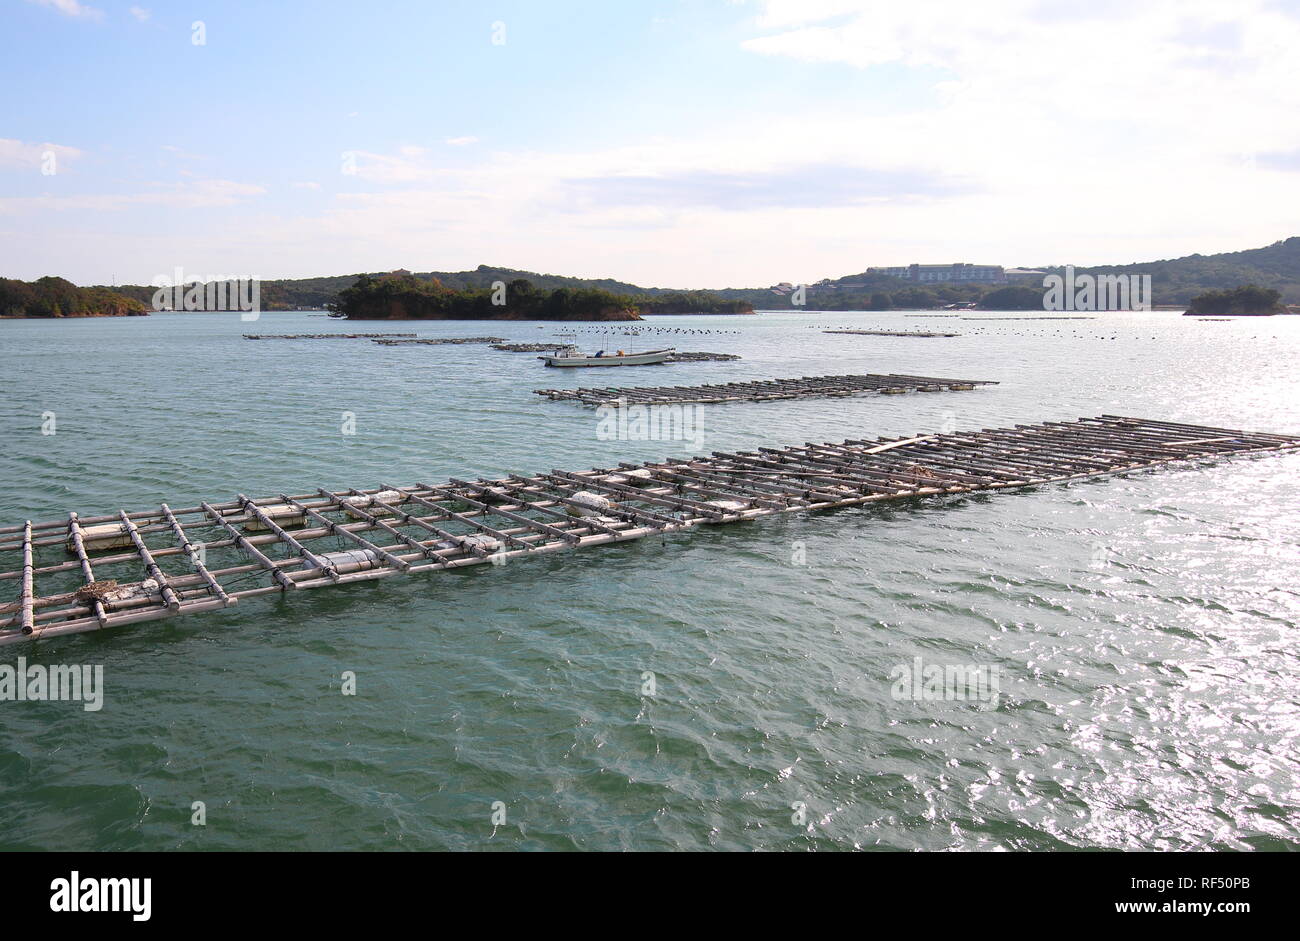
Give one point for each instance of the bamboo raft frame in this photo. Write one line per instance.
(425, 528)
(765, 390)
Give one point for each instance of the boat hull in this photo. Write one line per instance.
(631, 359)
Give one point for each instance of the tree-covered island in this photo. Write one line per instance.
(1247, 300)
(406, 297)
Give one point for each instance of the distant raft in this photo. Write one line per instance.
(322, 336)
(437, 341)
(677, 356)
(214, 555)
(765, 390)
(893, 333)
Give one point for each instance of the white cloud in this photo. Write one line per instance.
(181, 154)
(306, 185)
(192, 194)
(72, 8)
(1111, 132)
(462, 141)
(16, 153)
(408, 165)
(140, 13)
(1052, 133)
(1164, 65)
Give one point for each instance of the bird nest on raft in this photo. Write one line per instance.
(97, 591)
(920, 470)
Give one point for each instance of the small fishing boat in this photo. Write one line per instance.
(571, 356)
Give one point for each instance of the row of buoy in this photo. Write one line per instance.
(1056, 332)
(637, 331)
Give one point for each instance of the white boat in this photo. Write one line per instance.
(570, 356)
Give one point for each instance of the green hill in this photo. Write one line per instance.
(1173, 281)
(57, 297)
(1178, 280)
(406, 297)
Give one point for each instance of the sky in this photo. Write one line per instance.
(669, 143)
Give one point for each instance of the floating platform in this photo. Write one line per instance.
(126, 568)
(681, 356)
(436, 341)
(530, 347)
(322, 336)
(767, 390)
(688, 356)
(892, 333)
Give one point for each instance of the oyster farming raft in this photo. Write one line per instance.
(80, 573)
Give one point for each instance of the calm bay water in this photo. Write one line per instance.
(1144, 627)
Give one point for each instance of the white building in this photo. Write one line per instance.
(960, 271)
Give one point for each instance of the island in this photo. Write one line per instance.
(57, 297)
(1246, 300)
(405, 297)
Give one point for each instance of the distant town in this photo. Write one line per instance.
(957, 272)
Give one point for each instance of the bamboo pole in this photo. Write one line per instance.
(188, 548)
(26, 617)
(169, 595)
(283, 580)
(312, 559)
(585, 522)
(79, 547)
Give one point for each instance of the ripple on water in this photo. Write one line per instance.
(1142, 626)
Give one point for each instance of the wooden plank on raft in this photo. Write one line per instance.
(897, 444)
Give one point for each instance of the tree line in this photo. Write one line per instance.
(404, 296)
(57, 297)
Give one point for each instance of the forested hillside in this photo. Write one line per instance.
(57, 297)
(1173, 281)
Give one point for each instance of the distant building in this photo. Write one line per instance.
(925, 274)
(1025, 274)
